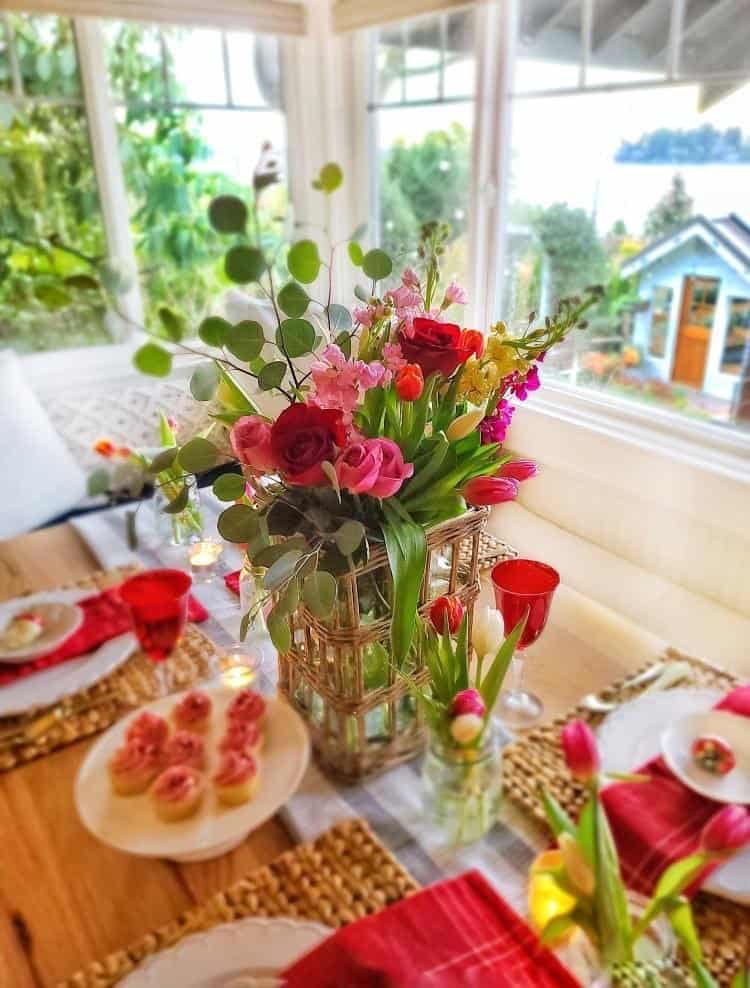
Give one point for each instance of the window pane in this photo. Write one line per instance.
(549, 46)
(424, 150)
(186, 49)
(651, 202)
(46, 55)
(255, 70)
(715, 39)
(137, 72)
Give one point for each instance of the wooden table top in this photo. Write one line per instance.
(66, 899)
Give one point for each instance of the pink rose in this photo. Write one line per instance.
(358, 467)
(393, 470)
(251, 443)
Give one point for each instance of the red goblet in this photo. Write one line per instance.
(158, 603)
(523, 586)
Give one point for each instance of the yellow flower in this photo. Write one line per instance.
(577, 867)
(478, 381)
(546, 899)
(502, 357)
(463, 425)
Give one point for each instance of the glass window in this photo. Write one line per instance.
(704, 292)
(421, 113)
(737, 342)
(661, 309)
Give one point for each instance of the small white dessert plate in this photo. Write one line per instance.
(130, 823)
(60, 621)
(676, 742)
(250, 953)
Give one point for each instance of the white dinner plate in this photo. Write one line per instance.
(247, 954)
(49, 686)
(676, 743)
(60, 621)
(631, 735)
(130, 823)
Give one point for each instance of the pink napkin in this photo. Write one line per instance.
(232, 582)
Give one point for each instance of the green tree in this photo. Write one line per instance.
(575, 255)
(673, 209)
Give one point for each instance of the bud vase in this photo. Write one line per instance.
(462, 787)
(182, 527)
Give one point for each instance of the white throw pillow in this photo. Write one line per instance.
(39, 479)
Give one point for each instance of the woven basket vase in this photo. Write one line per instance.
(359, 710)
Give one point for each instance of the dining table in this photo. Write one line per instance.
(66, 898)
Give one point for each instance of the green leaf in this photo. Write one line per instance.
(163, 461)
(356, 254)
(172, 323)
(679, 875)
(227, 214)
(293, 300)
(167, 435)
(232, 396)
(178, 503)
(52, 297)
(359, 232)
(282, 570)
(557, 927)
(229, 487)
(271, 375)
(493, 680)
(680, 914)
(245, 340)
(329, 178)
(303, 261)
(586, 832)
(82, 282)
(376, 264)
(319, 593)
(610, 902)
(198, 455)
(349, 537)
(268, 555)
(340, 317)
(98, 483)
(362, 294)
(741, 979)
(295, 337)
(244, 264)
(558, 820)
(131, 533)
(288, 599)
(213, 330)
(239, 523)
(153, 359)
(204, 381)
(406, 547)
(704, 979)
(278, 628)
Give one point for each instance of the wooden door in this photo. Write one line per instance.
(694, 331)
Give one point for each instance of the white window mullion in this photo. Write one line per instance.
(107, 165)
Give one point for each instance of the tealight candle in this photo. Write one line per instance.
(239, 669)
(203, 557)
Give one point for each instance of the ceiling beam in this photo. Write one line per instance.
(700, 14)
(711, 93)
(621, 16)
(547, 18)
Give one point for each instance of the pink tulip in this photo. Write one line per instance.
(251, 443)
(579, 748)
(490, 490)
(726, 832)
(468, 702)
(518, 469)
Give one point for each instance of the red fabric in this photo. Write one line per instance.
(655, 823)
(456, 934)
(104, 617)
(232, 582)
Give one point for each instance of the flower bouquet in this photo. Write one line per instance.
(391, 423)
(578, 886)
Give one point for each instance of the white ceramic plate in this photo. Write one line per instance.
(61, 620)
(51, 685)
(631, 735)
(676, 742)
(246, 954)
(130, 823)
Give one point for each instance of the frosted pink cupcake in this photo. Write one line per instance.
(193, 712)
(133, 767)
(185, 748)
(149, 728)
(242, 736)
(178, 792)
(236, 779)
(247, 706)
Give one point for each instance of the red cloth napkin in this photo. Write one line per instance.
(456, 934)
(105, 616)
(655, 823)
(232, 582)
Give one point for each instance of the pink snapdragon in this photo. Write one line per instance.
(494, 427)
(404, 298)
(394, 360)
(369, 314)
(455, 294)
(340, 383)
(410, 279)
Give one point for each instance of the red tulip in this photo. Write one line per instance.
(448, 609)
(518, 469)
(726, 832)
(410, 382)
(490, 490)
(579, 748)
(468, 702)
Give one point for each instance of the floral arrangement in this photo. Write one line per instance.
(394, 415)
(584, 872)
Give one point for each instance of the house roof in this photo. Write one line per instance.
(728, 236)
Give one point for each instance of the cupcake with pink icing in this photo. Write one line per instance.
(242, 736)
(193, 712)
(149, 728)
(133, 767)
(236, 779)
(185, 748)
(247, 706)
(177, 792)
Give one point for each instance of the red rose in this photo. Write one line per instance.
(435, 346)
(302, 438)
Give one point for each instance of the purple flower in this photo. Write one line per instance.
(494, 427)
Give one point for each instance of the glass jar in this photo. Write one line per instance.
(183, 527)
(251, 595)
(462, 787)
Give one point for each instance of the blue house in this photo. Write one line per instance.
(694, 324)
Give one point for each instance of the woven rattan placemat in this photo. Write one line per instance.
(343, 875)
(132, 684)
(536, 759)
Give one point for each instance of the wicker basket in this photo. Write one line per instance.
(337, 675)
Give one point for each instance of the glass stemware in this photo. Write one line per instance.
(521, 586)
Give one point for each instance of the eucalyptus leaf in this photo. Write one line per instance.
(213, 330)
(359, 232)
(172, 323)
(245, 339)
(303, 261)
(204, 381)
(349, 537)
(229, 487)
(329, 178)
(295, 337)
(319, 593)
(268, 556)
(356, 254)
(271, 375)
(340, 318)
(198, 455)
(376, 264)
(178, 503)
(98, 483)
(163, 461)
(227, 214)
(362, 294)
(278, 629)
(244, 264)
(239, 523)
(288, 599)
(153, 359)
(344, 342)
(282, 570)
(293, 300)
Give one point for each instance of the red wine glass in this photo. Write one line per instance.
(523, 586)
(158, 604)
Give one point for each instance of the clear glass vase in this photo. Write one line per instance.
(462, 787)
(252, 603)
(184, 526)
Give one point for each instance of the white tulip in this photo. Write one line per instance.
(466, 727)
(489, 631)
